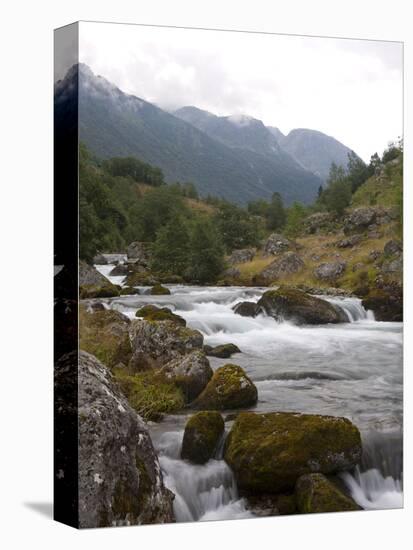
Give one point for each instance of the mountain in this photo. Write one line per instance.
(315, 150)
(113, 123)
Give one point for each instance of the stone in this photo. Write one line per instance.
(359, 219)
(392, 248)
(290, 304)
(318, 222)
(242, 255)
(229, 388)
(93, 284)
(269, 452)
(275, 244)
(191, 373)
(329, 271)
(105, 334)
(232, 273)
(349, 242)
(138, 252)
(246, 309)
(120, 479)
(280, 268)
(271, 505)
(386, 303)
(223, 351)
(203, 433)
(159, 290)
(128, 291)
(156, 343)
(119, 270)
(155, 313)
(315, 493)
(100, 259)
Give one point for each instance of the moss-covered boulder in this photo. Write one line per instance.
(93, 284)
(141, 278)
(105, 334)
(159, 290)
(154, 313)
(128, 291)
(191, 373)
(386, 304)
(229, 388)
(291, 304)
(202, 435)
(223, 351)
(315, 493)
(269, 452)
(156, 343)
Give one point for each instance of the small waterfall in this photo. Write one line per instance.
(202, 493)
(352, 307)
(378, 482)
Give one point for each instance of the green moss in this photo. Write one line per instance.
(128, 291)
(150, 394)
(159, 290)
(105, 335)
(97, 291)
(203, 432)
(223, 351)
(314, 493)
(268, 452)
(154, 313)
(229, 388)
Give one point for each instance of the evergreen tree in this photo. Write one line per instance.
(295, 216)
(207, 253)
(276, 216)
(171, 248)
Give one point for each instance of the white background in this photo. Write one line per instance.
(26, 272)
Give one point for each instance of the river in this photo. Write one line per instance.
(352, 369)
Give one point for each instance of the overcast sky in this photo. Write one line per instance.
(349, 89)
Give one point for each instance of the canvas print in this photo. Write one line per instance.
(228, 275)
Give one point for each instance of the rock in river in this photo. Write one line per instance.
(202, 435)
(290, 304)
(120, 480)
(315, 493)
(229, 388)
(269, 452)
(93, 284)
(191, 373)
(223, 351)
(156, 343)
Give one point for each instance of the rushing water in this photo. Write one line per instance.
(352, 369)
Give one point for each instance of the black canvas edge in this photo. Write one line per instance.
(66, 294)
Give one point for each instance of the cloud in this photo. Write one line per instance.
(350, 89)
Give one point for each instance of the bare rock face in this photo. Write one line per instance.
(191, 373)
(329, 271)
(276, 244)
(155, 344)
(120, 480)
(242, 255)
(280, 268)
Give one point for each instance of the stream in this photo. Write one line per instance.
(352, 369)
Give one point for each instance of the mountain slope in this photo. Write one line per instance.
(315, 150)
(112, 123)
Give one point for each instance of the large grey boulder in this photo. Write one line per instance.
(191, 373)
(392, 248)
(329, 271)
(359, 219)
(156, 343)
(318, 222)
(280, 268)
(246, 309)
(276, 243)
(120, 480)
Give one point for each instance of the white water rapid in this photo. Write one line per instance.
(352, 369)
